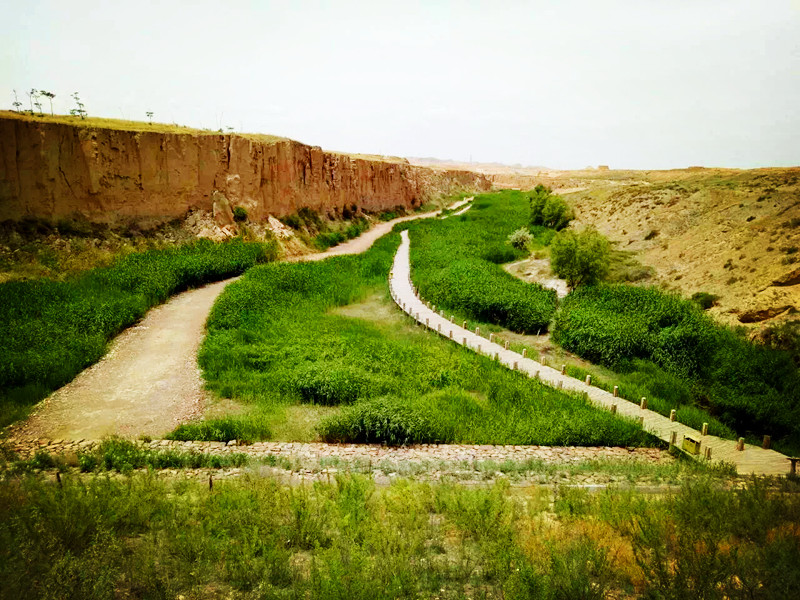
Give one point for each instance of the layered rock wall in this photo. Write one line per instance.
(56, 170)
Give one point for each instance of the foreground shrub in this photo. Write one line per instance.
(151, 537)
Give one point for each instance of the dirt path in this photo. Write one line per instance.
(149, 381)
(538, 270)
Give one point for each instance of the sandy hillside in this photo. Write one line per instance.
(732, 233)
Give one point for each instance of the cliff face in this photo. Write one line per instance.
(54, 170)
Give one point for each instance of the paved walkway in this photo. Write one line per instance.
(752, 459)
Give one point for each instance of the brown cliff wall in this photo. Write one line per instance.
(53, 170)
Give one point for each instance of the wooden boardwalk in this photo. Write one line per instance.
(753, 459)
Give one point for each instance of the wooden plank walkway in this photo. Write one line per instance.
(752, 459)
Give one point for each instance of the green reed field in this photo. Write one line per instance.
(456, 265)
(751, 389)
(317, 351)
(147, 537)
(51, 330)
(662, 346)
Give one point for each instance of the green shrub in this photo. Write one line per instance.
(392, 421)
(239, 214)
(332, 384)
(549, 210)
(704, 299)
(520, 239)
(498, 254)
(580, 258)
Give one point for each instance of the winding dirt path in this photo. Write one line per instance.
(149, 381)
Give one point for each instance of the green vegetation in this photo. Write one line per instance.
(254, 538)
(704, 299)
(751, 389)
(51, 330)
(78, 120)
(239, 214)
(455, 265)
(275, 342)
(318, 231)
(549, 210)
(786, 337)
(520, 239)
(580, 258)
(624, 267)
(327, 239)
(663, 347)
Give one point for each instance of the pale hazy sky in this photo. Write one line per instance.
(636, 84)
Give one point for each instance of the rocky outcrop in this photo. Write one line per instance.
(791, 278)
(758, 315)
(54, 170)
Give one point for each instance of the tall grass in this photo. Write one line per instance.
(254, 538)
(51, 330)
(455, 263)
(751, 389)
(273, 342)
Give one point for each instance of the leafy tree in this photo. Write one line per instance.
(149, 114)
(33, 98)
(80, 111)
(548, 209)
(16, 104)
(580, 258)
(49, 96)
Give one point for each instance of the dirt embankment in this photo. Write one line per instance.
(53, 170)
(728, 232)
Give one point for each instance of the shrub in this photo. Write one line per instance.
(239, 214)
(521, 239)
(548, 209)
(498, 254)
(580, 258)
(391, 421)
(705, 300)
(332, 384)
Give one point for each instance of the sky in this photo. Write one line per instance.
(638, 84)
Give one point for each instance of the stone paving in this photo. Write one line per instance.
(297, 462)
(375, 452)
(752, 459)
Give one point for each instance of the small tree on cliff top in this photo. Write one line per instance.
(580, 258)
(49, 96)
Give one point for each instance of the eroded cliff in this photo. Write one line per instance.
(53, 170)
